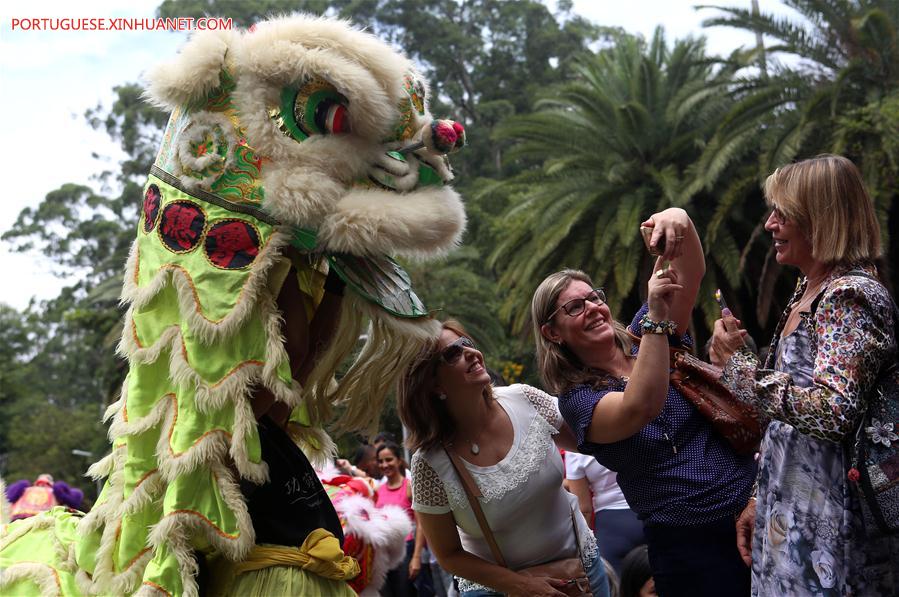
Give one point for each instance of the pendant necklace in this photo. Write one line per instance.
(474, 447)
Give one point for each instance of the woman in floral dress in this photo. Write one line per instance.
(806, 528)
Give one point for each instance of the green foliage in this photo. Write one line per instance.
(67, 370)
(835, 95)
(608, 149)
(569, 150)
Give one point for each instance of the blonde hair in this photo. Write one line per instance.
(424, 414)
(826, 198)
(560, 368)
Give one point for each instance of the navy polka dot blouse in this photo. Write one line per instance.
(677, 470)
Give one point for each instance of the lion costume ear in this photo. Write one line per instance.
(194, 73)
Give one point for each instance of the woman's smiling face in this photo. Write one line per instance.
(791, 244)
(581, 333)
(388, 463)
(460, 366)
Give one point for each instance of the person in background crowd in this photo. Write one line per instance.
(366, 460)
(682, 478)
(616, 526)
(833, 340)
(27, 500)
(505, 438)
(363, 464)
(636, 575)
(397, 490)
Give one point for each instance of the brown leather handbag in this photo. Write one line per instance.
(570, 570)
(698, 382)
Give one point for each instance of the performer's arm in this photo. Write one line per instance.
(322, 327)
(303, 340)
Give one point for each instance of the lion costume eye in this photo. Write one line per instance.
(314, 108)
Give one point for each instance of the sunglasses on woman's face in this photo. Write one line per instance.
(453, 352)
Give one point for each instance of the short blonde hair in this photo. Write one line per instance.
(560, 368)
(424, 415)
(826, 198)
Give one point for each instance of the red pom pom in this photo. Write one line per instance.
(460, 134)
(443, 135)
(853, 475)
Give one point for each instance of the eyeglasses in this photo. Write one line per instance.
(453, 352)
(779, 216)
(575, 307)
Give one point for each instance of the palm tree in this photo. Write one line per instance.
(839, 92)
(606, 150)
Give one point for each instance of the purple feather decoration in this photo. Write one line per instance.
(15, 491)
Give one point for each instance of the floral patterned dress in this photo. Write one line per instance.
(810, 538)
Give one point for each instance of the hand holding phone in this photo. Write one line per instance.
(659, 249)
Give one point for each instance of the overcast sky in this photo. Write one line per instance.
(49, 78)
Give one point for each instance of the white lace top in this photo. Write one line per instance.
(529, 512)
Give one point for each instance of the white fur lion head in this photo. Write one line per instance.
(322, 125)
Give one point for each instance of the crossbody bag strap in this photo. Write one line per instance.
(473, 492)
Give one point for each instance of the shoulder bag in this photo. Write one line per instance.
(873, 449)
(699, 383)
(570, 570)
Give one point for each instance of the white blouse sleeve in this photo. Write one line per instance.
(546, 406)
(428, 493)
(575, 465)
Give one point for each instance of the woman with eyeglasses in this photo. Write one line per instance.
(683, 479)
(810, 531)
(506, 439)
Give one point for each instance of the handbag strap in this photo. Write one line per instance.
(473, 492)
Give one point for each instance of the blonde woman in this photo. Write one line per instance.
(832, 341)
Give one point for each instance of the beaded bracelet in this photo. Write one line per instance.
(649, 326)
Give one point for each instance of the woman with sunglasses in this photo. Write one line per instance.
(506, 439)
(683, 479)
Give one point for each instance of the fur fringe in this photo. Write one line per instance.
(373, 221)
(13, 533)
(384, 529)
(315, 443)
(176, 529)
(42, 575)
(207, 331)
(193, 74)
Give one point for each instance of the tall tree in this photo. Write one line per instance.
(610, 148)
(836, 92)
(68, 371)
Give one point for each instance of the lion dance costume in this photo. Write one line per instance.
(298, 154)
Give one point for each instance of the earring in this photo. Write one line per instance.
(441, 396)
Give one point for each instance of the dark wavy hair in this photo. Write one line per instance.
(425, 416)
